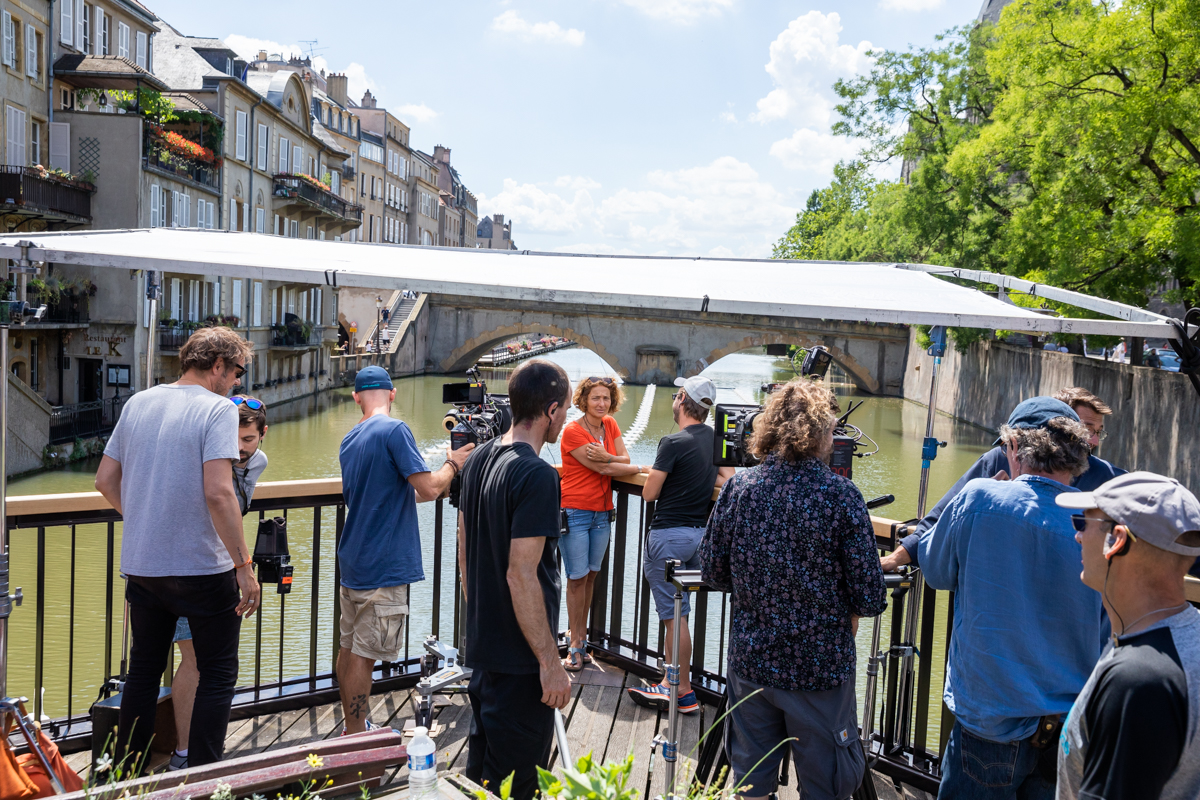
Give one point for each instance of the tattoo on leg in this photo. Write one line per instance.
(358, 706)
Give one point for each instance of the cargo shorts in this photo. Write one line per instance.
(372, 621)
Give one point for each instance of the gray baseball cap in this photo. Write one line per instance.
(1156, 508)
(699, 389)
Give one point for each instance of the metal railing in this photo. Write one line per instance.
(85, 420)
(301, 188)
(292, 338)
(25, 188)
(158, 156)
(174, 337)
(69, 308)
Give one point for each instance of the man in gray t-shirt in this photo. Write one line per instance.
(168, 470)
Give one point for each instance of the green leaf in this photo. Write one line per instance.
(506, 786)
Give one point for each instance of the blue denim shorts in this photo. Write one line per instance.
(584, 544)
(681, 544)
(183, 631)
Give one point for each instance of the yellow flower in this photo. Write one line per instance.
(315, 761)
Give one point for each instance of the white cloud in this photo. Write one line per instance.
(415, 111)
(534, 208)
(682, 12)
(728, 116)
(911, 5)
(358, 82)
(807, 149)
(248, 48)
(510, 22)
(805, 61)
(721, 209)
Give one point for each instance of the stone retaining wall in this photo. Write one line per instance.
(1155, 423)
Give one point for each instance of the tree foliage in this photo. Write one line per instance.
(1062, 145)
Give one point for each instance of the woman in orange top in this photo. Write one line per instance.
(592, 452)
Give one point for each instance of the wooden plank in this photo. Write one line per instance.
(685, 767)
(602, 725)
(579, 725)
(265, 733)
(312, 724)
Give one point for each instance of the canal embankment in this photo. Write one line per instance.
(1155, 424)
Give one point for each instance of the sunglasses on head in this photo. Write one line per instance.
(251, 403)
(605, 381)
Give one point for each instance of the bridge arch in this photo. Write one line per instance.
(469, 351)
(858, 374)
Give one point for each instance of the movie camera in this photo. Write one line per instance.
(476, 416)
(735, 423)
(271, 554)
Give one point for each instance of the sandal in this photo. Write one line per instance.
(570, 661)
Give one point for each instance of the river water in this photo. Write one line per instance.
(302, 442)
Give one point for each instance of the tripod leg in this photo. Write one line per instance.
(25, 723)
(866, 789)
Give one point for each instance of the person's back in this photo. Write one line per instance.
(501, 485)
(165, 435)
(1026, 632)
(380, 544)
(686, 457)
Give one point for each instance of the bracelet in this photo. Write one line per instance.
(452, 464)
(249, 561)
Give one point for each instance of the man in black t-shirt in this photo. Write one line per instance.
(1133, 731)
(508, 528)
(681, 481)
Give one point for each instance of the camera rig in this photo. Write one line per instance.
(735, 423)
(475, 417)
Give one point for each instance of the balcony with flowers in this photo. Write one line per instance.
(181, 137)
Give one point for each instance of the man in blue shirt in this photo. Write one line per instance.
(1089, 410)
(383, 478)
(1026, 631)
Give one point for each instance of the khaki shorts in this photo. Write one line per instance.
(372, 622)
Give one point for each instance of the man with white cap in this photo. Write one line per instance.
(681, 482)
(1133, 729)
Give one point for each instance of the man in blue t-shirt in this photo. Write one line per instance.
(383, 479)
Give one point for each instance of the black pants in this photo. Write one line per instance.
(155, 604)
(511, 730)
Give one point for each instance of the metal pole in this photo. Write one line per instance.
(928, 454)
(153, 292)
(671, 746)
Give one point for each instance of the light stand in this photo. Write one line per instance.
(14, 313)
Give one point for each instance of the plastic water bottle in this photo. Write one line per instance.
(422, 764)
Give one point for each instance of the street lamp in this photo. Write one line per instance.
(378, 319)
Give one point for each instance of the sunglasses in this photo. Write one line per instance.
(605, 381)
(239, 370)
(1081, 522)
(251, 403)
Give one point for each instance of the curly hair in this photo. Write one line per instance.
(1075, 397)
(584, 389)
(796, 422)
(205, 346)
(1061, 446)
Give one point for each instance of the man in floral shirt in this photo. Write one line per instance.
(793, 543)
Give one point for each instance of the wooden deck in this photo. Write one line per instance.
(601, 719)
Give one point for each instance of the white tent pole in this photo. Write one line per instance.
(153, 290)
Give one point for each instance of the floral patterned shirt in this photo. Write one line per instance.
(795, 546)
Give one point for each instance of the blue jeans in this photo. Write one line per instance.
(584, 544)
(680, 544)
(980, 769)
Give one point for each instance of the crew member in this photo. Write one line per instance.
(168, 471)
(383, 478)
(1026, 632)
(509, 523)
(793, 542)
(592, 452)
(252, 427)
(1090, 410)
(1133, 732)
(681, 481)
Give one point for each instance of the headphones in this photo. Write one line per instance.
(1110, 541)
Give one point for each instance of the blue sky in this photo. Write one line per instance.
(678, 127)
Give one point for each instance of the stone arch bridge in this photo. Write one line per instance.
(655, 346)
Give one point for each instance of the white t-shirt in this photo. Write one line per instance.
(162, 440)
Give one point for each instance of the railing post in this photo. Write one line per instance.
(438, 511)
(620, 536)
(315, 600)
(337, 584)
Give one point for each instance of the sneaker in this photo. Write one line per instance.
(177, 762)
(659, 697)
(370, 727)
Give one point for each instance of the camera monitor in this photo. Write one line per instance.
(463, 394)
(734, 424)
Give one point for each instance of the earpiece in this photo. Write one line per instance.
(1110, 542)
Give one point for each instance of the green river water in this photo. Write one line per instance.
(303, 443)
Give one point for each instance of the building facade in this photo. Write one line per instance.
(494, 233)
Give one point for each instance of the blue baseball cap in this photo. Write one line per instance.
(1036, 412)
(372, 377)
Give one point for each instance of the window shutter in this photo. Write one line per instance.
(263, 140)
(80, 25)
(154, 201)
(176, 298)
(283, 155)
(260, 220)
(211, 217)
(17, 137)
(142, 42)
(241, 135)
(60, 145)
(31, 51)
(236, 299)
(297, 164)
(101, 48)
(199, 213)
(122, 40)
(9, 53)
(66, 22)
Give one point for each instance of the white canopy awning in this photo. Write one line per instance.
(855, 292)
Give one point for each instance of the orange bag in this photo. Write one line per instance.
(14, 783)
(32, 767)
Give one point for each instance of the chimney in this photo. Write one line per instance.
(498, 219)
(441, 154)
(337, 89)
(262, 55)
(368, 100)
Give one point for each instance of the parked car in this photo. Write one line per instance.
(1170, 360)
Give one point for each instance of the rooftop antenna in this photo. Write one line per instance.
(312, 49)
